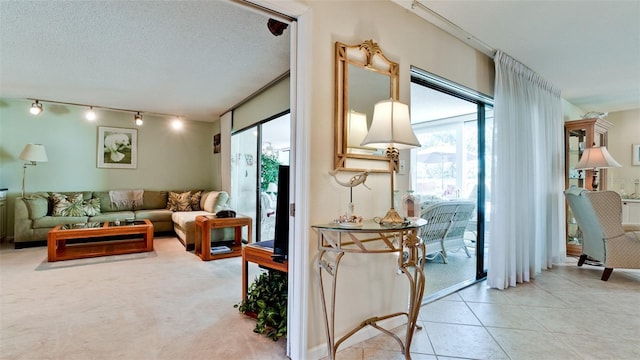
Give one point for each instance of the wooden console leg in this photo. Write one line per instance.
(245, 276)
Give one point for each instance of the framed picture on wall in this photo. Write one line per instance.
(216, 143)
(635, 154)
(117, 148)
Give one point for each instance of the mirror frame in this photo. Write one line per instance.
(366, 55)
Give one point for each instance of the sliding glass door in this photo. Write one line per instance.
(256, 153)
(452, 164)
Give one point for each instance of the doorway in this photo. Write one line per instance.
(454, 126)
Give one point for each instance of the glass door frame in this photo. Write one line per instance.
(257, 228)
(483, 103)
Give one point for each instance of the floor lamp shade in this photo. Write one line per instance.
(391, 129)
(32, 153)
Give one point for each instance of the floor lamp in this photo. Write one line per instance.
(595, 158)
(391, 129)
(32, 153)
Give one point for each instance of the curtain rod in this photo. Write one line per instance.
(453, 29)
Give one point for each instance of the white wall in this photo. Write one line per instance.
(408, 40)
(168, 159)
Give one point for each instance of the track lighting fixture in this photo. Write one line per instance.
(36, 108)
(91, 114)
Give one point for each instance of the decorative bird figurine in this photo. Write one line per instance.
(355, 180)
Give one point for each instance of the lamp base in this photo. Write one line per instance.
(392, 218)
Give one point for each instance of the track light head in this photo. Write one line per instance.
(138, 119)
(91, 114)
(36, 108)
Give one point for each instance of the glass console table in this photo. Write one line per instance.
(334, 241)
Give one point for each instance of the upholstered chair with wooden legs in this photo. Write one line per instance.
(605, 239)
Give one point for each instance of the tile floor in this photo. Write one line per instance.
(565, 313)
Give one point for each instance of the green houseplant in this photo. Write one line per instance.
(269, 171)
(267, 302)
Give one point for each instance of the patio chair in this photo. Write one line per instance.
(604, 238)
(445, 228)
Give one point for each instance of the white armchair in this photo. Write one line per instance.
(446, 224)
(599, 216)
(267, 216)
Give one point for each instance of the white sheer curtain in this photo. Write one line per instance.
(526, 228)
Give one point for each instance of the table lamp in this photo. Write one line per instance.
(391, 129)
(595, 158)
(32, 153)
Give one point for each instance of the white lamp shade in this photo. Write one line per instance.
(596, 158)
(34, 152)
(391, 126)
(356, 128)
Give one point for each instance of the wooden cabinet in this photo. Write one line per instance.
(631, 211)
(579, 135)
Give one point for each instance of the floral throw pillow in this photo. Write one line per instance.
(179, 201)
(195, 200)
(91, 207)
(64, 205)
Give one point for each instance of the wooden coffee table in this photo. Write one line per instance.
(58, 249)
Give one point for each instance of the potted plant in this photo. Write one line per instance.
(267, 302)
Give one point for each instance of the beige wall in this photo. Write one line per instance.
(167, 159)
(624, 132)
(273, 100)
(408, 40)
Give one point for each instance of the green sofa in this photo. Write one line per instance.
(34, 216)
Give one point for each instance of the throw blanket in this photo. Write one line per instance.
(126, 198)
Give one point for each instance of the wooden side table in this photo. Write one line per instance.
(204, 224)
(259, 253)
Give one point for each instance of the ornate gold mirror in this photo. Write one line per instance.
(364, 76)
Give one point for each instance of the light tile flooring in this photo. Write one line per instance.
(565, 313)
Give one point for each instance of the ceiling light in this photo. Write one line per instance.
(138, 119)
(36, 108)
(91, 114)
(177, 123)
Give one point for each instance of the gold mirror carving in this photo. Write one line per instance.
(364, 76)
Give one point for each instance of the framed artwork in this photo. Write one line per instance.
(117, 148)
(216, 143)
(635, 154)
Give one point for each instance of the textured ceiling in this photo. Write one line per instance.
(199, 58)
(190, 58)
(590, 50)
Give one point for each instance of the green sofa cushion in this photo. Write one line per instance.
(37, 205)
(153, 200)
